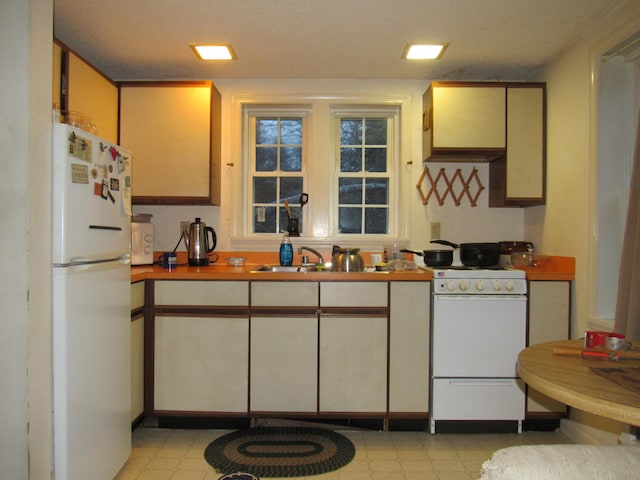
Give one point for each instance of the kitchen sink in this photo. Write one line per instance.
(301, 269)
(290, 268)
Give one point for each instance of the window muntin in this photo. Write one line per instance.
(277, 171)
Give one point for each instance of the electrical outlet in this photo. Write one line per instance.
(435, 230)
(184, 226)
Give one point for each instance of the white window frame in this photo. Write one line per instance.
(609, 186)
(320, 144)
(249, 161)
(392, 114)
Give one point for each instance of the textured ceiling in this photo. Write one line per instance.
(355, 39)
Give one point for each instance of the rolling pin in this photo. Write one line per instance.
(593, 353)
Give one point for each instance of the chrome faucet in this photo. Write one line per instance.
(315, 252)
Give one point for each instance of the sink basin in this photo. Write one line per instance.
(289, 268)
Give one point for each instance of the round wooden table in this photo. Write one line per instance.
(571, 381)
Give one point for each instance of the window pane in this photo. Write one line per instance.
(375, 220)
(375, 159)
(264, 189)
(290, 189)
(376, 131)
(376, 192)
(351, 131)
(267, 131)
(291, 131)
(291, 159)
(266, 159)
(351, 159)
(269, 223)
(349, 220)
(350, 191)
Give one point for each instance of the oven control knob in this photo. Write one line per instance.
(480, 285)
(497, 286)
(509, 286)
(463, 285)
(451, 285)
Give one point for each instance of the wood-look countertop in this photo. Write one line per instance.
(556, 268)
(570, 380)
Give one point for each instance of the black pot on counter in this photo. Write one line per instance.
(486, 254)
(434, 258)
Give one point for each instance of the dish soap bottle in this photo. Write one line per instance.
(286, 251)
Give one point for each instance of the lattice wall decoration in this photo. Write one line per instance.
(456, 186)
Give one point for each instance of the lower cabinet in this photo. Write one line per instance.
(201, 363)
(353, 363)
(549, 320)
(353, 347)
(409, 342)
(200, 342)
(284, 364)
(317, 348)
(284, 347)
(137, 350)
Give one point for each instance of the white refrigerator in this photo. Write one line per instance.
(91, 209)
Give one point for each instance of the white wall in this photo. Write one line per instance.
(563, 226)
(458, 224)
(25, 141)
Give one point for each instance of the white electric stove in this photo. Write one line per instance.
(478, 327)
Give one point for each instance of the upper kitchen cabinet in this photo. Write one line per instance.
(173, 131)
(519, 178)
(499, 122)
(464, 122)
(80, 87)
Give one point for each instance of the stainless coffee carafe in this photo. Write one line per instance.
(200, 241)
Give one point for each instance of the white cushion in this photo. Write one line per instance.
(563, 462)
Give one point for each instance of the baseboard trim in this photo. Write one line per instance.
(585, 435)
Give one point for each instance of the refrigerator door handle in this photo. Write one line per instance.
(125, 257)
(105, 227)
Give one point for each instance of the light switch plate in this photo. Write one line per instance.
(435, 230)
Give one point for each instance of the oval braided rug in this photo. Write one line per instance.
(280, 451)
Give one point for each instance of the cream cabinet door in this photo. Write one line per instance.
(201, 293)
(409, 347)
(90, 92)
(525, 143)
(201, 364)
(549, 316)
(353, 364)
(137, 349)
(137, 366)
(469, 117)
(173, 132)
(284, 363)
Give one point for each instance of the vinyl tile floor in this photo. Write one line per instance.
(173, 454)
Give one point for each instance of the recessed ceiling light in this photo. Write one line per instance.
(213, 52)
(424, 52)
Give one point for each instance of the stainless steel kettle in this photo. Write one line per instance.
(347, 260)
(198, 245)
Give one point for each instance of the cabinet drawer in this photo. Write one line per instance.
(353, 294)
(137, 295)
(177, 292)
(287, 294)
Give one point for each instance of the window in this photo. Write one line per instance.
(618, 101)
(344, 157)
(363, 178)
(277, 171)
